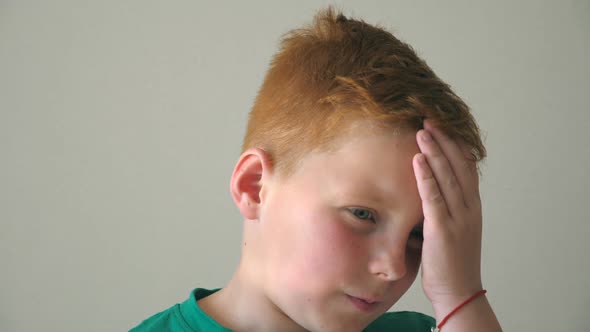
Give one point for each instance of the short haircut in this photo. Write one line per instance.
(337, 71)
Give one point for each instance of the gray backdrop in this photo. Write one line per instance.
(120, 122)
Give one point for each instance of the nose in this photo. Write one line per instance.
(389, 263)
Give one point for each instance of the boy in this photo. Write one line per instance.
(358, 165)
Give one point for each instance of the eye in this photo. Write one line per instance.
(416, 238)
(416, 233)
(363, 214)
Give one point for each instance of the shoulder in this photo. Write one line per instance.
(181, 317)
(162, 321)
(403, 320)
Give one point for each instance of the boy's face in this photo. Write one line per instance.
(341, 232)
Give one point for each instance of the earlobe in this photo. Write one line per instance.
(247, 181)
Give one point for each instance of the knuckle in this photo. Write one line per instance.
(435, 198)
(469, 165)
(451, 182)
(435, 152)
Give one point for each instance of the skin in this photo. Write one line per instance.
(343, 228)
(448, 183)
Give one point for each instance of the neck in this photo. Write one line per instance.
(242, 306)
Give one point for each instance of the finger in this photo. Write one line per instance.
(461, 161)
(433, 203)
(443, 173)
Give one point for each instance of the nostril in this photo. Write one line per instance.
(388, 263)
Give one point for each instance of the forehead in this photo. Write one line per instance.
(376, 164)
(366, 146)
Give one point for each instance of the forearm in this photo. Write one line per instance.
(477, 315)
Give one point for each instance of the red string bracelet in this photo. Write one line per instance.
(471, 298)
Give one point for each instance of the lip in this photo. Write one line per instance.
(366, 305)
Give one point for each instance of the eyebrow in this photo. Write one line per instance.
(366, 195)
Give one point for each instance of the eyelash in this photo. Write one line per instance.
(370, 217)
(416, 233)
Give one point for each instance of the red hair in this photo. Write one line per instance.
(337, 71)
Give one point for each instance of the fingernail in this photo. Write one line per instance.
(426, 136)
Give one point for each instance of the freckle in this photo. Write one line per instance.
(245, 243)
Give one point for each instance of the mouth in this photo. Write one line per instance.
(365, 305)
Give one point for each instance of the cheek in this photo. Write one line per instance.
(327, 251)
(336, 246)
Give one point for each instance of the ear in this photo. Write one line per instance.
(247, 180)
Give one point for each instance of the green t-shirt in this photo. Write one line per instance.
(188, 317)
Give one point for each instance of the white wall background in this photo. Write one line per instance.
(120, 122)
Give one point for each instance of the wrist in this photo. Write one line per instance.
(451, 299)
(456, 306)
